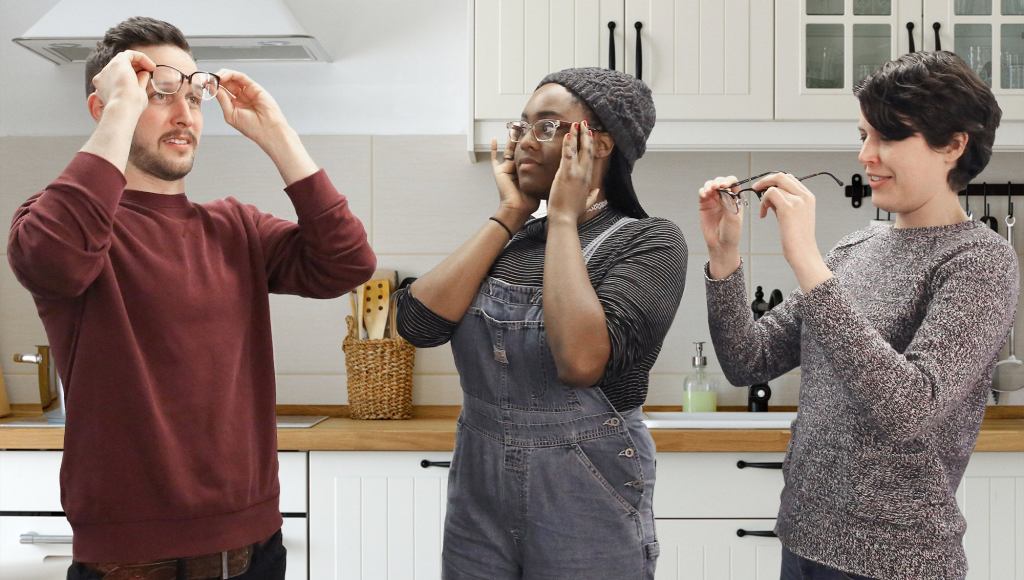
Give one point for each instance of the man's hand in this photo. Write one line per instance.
(249, 108)
(123, 81)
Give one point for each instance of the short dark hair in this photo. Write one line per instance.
(937, 95)
(134, 32)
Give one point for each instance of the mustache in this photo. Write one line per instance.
(179, 134)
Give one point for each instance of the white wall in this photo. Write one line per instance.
(400, 68)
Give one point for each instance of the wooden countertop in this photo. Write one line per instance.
(433, 429)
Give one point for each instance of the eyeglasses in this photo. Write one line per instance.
(732, 200)
(544, 130)
(167, 80)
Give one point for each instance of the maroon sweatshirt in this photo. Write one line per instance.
(157, 312)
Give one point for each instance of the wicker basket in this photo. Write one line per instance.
(379, 376)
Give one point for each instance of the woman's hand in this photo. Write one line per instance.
(514, 205)
(721, 227)
(794, 207)
(571, 191)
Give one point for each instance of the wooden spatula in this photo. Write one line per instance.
(360, 310)
(376, 307)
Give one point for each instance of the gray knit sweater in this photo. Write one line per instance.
(896, 355)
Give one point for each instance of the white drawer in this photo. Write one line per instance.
(50, 560)
(30, 481)
(292, 472)
(710, 485)
(37, 561)
(715, 549)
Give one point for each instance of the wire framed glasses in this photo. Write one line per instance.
(734, 200)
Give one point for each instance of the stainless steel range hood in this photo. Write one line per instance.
(225, 30)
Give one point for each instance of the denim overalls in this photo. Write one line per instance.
(547, 481)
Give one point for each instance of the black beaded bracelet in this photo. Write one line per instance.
(498, 221)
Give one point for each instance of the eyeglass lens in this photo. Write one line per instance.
(168, 80)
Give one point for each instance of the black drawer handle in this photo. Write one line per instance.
(428, 463)
(611, 46)
(741, 533)
(639, 52)
(938, 44)
(910, 33)
(759, 465)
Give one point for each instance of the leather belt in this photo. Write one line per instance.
(228, 564)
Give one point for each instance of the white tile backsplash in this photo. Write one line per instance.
(420, 197)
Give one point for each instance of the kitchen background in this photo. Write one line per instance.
(388, 120)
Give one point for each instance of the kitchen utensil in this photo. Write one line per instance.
(967, 207)
(1009, 372)
(354, 297)
(376, 307)
(358, 313)
(393, 317)
(987, 219)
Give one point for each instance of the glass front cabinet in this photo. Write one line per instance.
(825, 47)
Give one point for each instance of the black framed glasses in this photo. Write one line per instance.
(733, 200)
(544, 130)
(168, 80)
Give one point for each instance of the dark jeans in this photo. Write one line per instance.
(797, 568)
(268, 563)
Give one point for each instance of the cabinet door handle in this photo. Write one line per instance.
(910, 33)
(938, 44)
(759, 465)
(428, 463)
(34, 538)
(762, 534)
(611, 45)
(639, 52)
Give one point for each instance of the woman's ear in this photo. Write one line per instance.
(603, 144)
(956, 147)
(95, 106)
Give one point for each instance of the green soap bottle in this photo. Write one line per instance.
(700, 392)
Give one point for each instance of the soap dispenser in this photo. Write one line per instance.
(700, 392)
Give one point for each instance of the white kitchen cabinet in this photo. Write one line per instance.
(703, 59)
(712, 485)
(989, 36)
(713, 550)
(825, 47)
(992, 499)
(702, 500)
(376, 515)
(35, 537)
(517, 42)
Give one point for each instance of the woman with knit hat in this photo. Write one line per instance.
(555, 324)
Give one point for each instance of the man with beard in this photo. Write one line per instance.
(157, 312)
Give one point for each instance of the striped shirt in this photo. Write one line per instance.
(638, 274)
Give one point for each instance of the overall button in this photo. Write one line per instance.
(613, 422)
(628, 452)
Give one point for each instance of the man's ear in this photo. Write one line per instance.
(603, 144)
(95, 105)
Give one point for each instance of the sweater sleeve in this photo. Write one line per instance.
(640, 294)
(326, 253)
(973, 303)
(60, 237)
(420, 325)
(749, 351)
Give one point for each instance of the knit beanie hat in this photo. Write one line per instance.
(622, 103)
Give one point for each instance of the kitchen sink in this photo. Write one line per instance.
(722, 420)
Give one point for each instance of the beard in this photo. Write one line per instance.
(149, 161)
